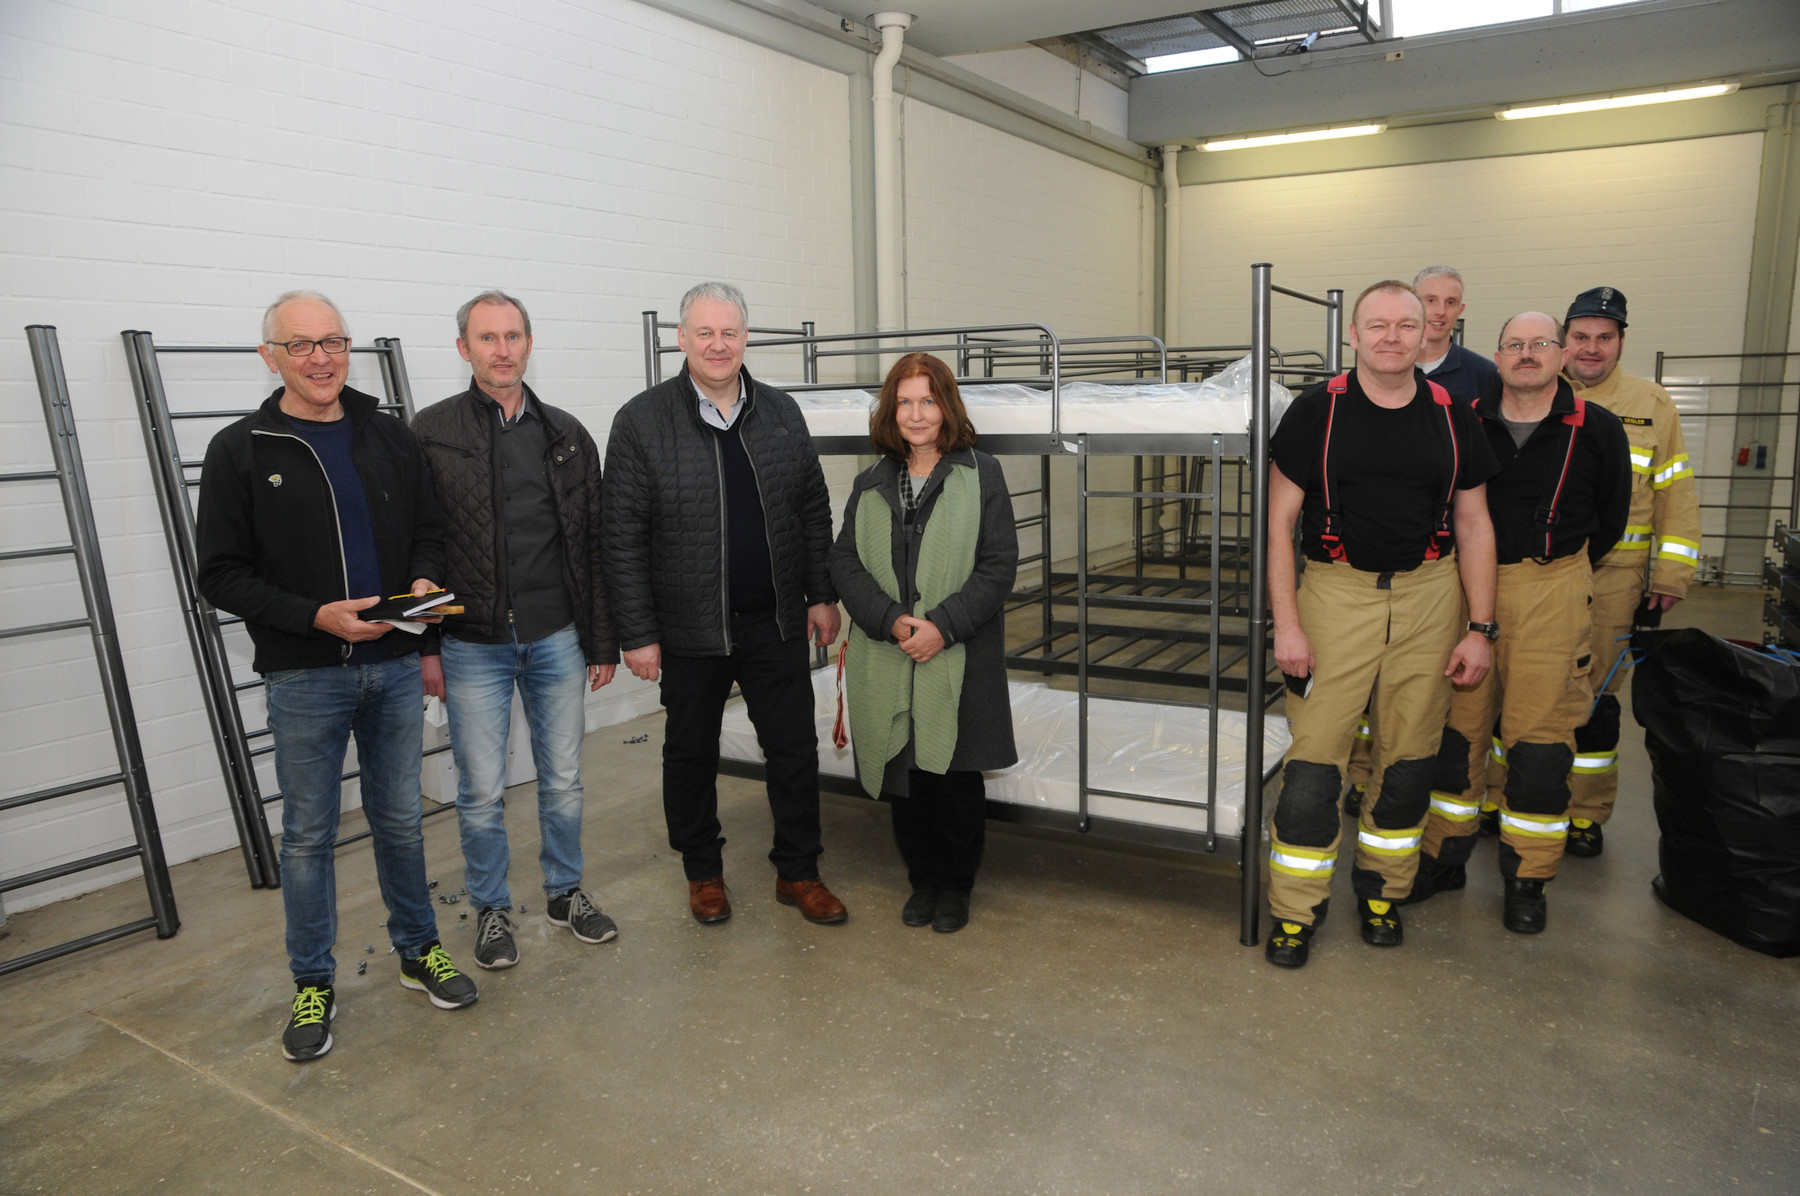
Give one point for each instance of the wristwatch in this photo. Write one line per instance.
(1491, 630)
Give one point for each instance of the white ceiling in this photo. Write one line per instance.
(965, 26)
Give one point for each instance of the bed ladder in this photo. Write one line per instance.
(84, 549)
(176, 480)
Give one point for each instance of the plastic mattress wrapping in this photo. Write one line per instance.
(1219, 404)
(1133, 747)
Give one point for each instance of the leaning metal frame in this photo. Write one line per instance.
(1037, 348)
(84, 549)
(175, 480)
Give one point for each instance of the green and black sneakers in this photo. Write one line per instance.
(433, 974)
(308, 1033)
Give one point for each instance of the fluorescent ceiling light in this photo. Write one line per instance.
(1664, 96)
(1231, 143)
(1177, 62)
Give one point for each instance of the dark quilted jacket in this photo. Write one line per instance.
(458, 438)
(665, 517)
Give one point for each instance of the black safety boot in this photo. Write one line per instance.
(1353, 800)
(1288, 945)
(1526, 910)
(1380, 924)
(1585, 839)
(1434, 878)
(1490, 823)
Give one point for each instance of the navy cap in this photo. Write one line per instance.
(1601, 301)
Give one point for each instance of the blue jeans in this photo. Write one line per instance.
(313, 713)
(551, 675)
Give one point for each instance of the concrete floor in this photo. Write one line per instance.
(1096, 1028)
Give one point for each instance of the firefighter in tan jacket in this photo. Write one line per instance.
(1654, 559)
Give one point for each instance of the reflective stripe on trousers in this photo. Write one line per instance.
(1535, 826)
(1595, 762)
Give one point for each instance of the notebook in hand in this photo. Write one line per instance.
(407, 606)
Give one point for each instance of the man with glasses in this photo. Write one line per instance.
(1648, 570)
(519, 481)
(1465, 374)
(1384, 473)
(1558, 504)
(718, 538)
(311, 510)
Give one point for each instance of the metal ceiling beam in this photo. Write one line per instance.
(1227, 34)
(1610, 49)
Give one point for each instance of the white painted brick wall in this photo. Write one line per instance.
(173, 164)
(1049, 79)
(999, 230)
(1668, 224)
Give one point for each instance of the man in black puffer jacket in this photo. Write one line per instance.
(717, 539)
(519, 482)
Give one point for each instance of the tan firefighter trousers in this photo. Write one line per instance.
(1385, 636)
(1538, 692)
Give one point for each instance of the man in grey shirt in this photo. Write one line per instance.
(519, 481)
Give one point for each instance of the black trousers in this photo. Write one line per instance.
(941, 827)
(775, 678)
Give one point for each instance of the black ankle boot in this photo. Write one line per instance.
(1526, 911)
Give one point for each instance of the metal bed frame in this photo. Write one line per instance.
(176, 479)
(1115, 649)
(84, 550)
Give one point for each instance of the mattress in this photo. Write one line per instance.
(1007, 409)
(1132, 747)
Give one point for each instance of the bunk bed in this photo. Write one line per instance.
(1130, 752)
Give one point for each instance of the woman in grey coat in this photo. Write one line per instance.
(923, 564)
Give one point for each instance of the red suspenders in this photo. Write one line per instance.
(1331, 536)
(1548, 516)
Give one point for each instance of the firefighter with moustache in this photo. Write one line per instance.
(1558, 505)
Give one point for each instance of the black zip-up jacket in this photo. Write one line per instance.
(459, 438)
(268, 531)
(1596, 492)
(665, 517)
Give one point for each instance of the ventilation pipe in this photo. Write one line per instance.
(1171, 181)
(888, 266)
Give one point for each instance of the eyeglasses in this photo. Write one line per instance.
(1513, 348)
(331, 344)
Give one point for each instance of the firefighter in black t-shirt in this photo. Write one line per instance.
(1559, 504)
(1386, 475)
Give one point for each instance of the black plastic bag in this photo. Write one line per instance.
(1722, 726)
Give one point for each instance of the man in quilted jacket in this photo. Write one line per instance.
(519, 482)
(718, 534)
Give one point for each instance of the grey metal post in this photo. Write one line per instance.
(393, 367)
(1334, 332)
(65, 447)
(809, 353)
(1251, 893)
(1081, 629)
(210, 660)
(652, 358)
(1045, 538)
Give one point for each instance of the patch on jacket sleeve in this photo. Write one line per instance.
(1637, 421)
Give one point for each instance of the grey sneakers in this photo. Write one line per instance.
(494, 946)
(576, 910)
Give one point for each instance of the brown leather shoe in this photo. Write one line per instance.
(814, 899)
(708, 901)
